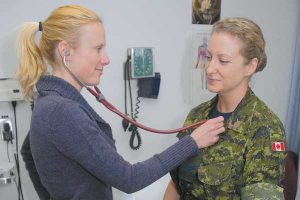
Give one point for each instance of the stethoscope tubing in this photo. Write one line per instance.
(99, 96)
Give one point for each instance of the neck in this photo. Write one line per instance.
(63, 74)
(227, 102)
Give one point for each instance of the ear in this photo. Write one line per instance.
(63, 49)
(251, 67)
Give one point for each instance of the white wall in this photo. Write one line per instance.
(166, 26)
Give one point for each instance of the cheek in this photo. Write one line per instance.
(84, 69)
(88, 64)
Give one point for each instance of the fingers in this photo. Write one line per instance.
(216, 120)
(218, 130)
(208, 133)
(214, 124)
(215, 132)
(215, 139)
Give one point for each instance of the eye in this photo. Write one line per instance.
(99, 49)
(208, 57)
(224, 61)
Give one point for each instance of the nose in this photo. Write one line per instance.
(210, 67)
(105, 60)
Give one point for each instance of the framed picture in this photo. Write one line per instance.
(206, 11)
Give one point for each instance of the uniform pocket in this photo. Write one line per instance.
(215, 173)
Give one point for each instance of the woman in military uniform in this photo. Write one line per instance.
(248, 160)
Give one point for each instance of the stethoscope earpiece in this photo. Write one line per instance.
(67, 53)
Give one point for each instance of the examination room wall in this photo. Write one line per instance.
(166, 26)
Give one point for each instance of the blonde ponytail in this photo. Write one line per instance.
(63, 24)
(31, 62)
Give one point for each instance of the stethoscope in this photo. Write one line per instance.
(100, 98)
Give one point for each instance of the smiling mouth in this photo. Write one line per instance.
(100, 71)
(212, 80)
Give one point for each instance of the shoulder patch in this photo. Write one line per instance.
(278, 146)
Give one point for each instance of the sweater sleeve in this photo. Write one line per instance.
(79, 138)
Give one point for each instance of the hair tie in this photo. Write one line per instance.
(40, 26)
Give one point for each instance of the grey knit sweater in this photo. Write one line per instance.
(75, 153)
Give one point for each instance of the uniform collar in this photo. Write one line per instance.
(237, 121)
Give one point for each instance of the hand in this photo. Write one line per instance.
(208, 133)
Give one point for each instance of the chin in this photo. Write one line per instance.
(213, 89)
(95, 82)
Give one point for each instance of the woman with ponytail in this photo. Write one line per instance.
(72, 146)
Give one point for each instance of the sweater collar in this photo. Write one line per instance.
(60, 86)
(50, 83)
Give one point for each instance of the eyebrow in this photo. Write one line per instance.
(219, 55)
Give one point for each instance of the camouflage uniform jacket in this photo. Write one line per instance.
(242, 164)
